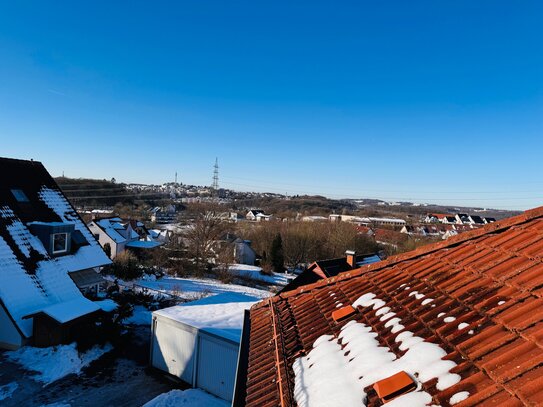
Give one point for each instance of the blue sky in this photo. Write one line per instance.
(432, 101)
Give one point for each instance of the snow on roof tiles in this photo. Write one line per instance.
(485, 316)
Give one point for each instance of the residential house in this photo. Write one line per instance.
(242, 250)
(116, 235)
(262, 217)
(367, 221)
(45, 251)
(163, 216)
(462, 218)
(436, 217)
(476, 220)
(251, 215)
(426, 230)
(457, 322)
(323, 269)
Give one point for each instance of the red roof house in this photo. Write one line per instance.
(458, 322)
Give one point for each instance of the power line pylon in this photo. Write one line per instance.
(215, 185)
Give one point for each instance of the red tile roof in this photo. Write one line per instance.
(490, 280)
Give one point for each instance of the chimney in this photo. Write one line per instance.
(351, 258)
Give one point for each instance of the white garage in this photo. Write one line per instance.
(198, 342)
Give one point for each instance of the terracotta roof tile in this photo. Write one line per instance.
(477, 296)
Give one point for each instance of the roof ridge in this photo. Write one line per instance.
(31, 161)
(422, 251)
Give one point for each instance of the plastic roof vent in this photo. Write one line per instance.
(343, 313)
(394, 386)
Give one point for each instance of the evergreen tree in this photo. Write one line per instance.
(277, 258)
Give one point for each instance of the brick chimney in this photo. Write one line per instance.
(351, 258)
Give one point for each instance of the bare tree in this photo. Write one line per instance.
(204, 233)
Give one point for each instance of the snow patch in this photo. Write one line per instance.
(140, 316)
(458, 397)
(107, 305)
(417, 295)
(427, 301)
(189, 398)
(7, 390)
(449, 319)
(462, 326)
(51, 364)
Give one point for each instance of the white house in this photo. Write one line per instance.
(251, 215)
(116, 235)
(43, 242)
(261, 217)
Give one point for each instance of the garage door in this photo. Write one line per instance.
(173, 350)
(217, 362)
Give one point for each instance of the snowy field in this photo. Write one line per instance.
(194, 288)
(254, 273)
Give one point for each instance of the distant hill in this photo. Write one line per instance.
(94, 192)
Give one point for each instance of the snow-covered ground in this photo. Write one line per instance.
(255, 273)
(7, 390)
(141, 316)
(51, 364)
(188, 398)
(194, 288)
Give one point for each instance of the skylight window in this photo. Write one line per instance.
(19, 195)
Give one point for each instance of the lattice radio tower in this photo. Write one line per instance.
(215, 185)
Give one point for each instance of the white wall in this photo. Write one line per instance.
(10, 338)
(104, 238)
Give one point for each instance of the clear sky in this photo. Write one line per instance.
(433, 101)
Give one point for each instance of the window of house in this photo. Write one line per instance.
(19, 195)
(60, 242)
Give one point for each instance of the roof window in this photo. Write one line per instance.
(19, 195)
(394, 386)
(60, 243)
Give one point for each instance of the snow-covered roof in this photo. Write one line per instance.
(220, 314)
(31, 280)
(107, 305)
(67, 311)
(110, 226)
(143, 244)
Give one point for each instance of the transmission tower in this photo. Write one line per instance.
(215, 185)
